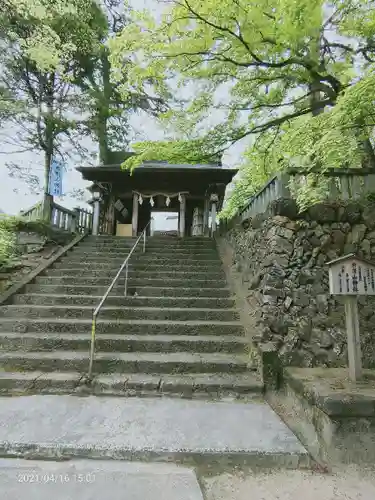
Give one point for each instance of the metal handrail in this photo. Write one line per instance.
(125, 266)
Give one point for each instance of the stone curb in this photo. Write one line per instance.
(33, 451)
(335, 405)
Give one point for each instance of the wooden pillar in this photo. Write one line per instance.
(110, 216)
(213, 217)
(206, 214)
(135, 214)
(182, 216)
(354, 343)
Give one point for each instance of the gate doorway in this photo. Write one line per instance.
(164, 223)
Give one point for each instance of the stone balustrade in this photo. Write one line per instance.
(344, 184)
(78, 220)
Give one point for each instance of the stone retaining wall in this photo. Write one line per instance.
(282, 256)
(34, 244)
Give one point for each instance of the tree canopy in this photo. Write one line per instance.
(296, 76)
(42, 43)
(49, 32)
(55, 79)
(108, 110)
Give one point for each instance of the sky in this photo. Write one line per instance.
(15, 194)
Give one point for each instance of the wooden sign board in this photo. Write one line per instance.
(351, 275)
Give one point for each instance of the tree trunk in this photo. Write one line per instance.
(368, 154)
(315, 99)
(49, 139)
(103, 109)
(101, 130)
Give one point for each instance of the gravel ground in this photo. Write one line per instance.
(344, 484)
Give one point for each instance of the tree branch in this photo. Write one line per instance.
(282, 119)
(239, 37)
(249, 107)
(257, 61)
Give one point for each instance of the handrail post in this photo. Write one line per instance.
(126, 279)
(144, 241)
(92, 346)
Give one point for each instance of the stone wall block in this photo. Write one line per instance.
(323, 212)
(285, 207)
(357, 234)
(350, 212)
(368, 215)
(283, 262)
(338, 239)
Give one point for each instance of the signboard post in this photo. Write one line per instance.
(350, 276)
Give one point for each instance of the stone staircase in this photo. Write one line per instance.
(176, 333)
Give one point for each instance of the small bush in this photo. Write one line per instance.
(7, 240)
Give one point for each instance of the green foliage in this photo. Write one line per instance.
(259, 164)
(177, 152)
(50, 32)
(303, 71)
(11, 225)
(44, 40)
(7, 240)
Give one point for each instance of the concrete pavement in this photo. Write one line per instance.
(96, 480)
(147, 429)
(346, 483)
(117, 480)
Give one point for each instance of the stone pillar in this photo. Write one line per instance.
(214, 200)
(75, 224)
(47, 208)
(206, 214)
(95, 217)
(135, 214)
(182, 216)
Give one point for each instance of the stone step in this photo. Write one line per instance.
(175, 259)
(133, 384)
(120, 300)
(67, 262)
(121, 343)
(150, 242)
(136, 273)
(150, 363)
(150, 247)
(148, 262)
(214, 435)
(155, 238)
(136, 313)
(139, 251)
(190, 240)
(119, 290)
(134, 284)
(165, 255)
(125, 327)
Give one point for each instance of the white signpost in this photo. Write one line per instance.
(351, 276)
